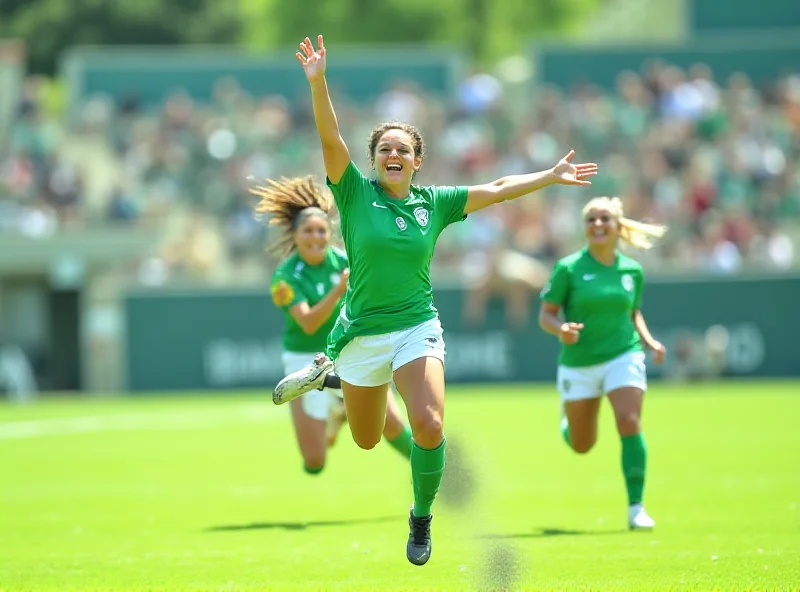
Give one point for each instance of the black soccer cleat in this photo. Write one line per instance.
(418, 548)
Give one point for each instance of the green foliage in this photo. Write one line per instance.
(48, 26)
(486, 29)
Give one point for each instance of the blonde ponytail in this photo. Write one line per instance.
(287, 203)
(635, 233)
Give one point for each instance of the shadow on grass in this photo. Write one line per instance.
(537, 533)
(298, 525)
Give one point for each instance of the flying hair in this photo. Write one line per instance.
(288, 203)
(637, 234)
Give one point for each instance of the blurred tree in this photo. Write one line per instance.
(48, 26)
(487, 29)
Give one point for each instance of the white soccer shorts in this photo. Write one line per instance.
(590, 382)
(370, 360)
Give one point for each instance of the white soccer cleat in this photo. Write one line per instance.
(299, 383)
(638, 518)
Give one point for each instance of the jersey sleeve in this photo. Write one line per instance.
(638, 286)
(285, 291)
(450, 204)
(556, 289)
(351, 183)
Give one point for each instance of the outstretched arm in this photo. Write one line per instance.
(334, 150)
(514, 186)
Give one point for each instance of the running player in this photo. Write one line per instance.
(389, 328)
(308, 287)
(598, 292)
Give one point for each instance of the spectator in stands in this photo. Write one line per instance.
(717, 161)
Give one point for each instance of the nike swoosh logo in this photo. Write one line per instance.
(377, 205)
(588, 276)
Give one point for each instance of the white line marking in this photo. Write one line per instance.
(156, 421)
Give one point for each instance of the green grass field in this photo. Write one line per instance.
(207, 493)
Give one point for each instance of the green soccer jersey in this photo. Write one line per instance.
(296, 281)
(601, 297)
(389, 243)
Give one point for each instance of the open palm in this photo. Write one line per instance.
(313, 60)
(567, 173)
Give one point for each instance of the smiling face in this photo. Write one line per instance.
(395, 159)
(602, 227)
(312, 237)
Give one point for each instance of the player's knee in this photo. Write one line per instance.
(366, 442)
(428, 430)
(582, 442)
(393, 427)
(581, 447)
(314, 459)
(628, 423)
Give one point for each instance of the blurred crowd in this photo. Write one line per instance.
(718, 161)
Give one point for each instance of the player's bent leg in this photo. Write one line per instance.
(364, 367)
(581, 416)
(396, 431)
(310, 434)
(337, 416)
(581, 393)
(421, 384)
(395, 421)
(366, 412)
(627, 404)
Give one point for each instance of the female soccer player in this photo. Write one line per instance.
(308, 287)
(599, 292)
(389, 327)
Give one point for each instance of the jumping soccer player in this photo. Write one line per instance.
(389, 328)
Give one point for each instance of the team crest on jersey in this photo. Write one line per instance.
(282, 294)
(401, 224)
(421, 214)
(627, 282)
(336, 279)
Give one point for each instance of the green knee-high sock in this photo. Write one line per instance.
(427, 467)
(634, 464)
(403, 442)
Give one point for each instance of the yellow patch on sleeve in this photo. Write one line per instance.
(282, 294)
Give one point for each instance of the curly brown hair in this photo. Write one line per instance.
(288, 203)
(416, 137)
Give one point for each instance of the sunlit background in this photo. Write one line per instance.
(130, 132)
(131, 262)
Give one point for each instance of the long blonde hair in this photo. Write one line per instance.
(288, 203)
(637, 234)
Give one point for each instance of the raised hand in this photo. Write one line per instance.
(313, 61)
(567, 173)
